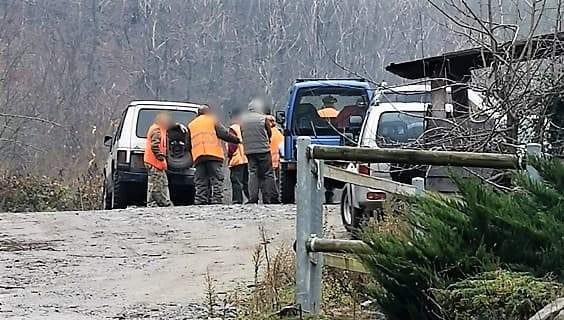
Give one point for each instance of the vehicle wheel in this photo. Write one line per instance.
(329, 196)
(178, 157)
(184, 196)
(119, 194)
(107, 197)
(287, 186)
(350, 215)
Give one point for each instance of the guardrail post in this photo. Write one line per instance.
(419, 184)
(309, 221)
(303, 218)
(533, 149)
(316, 228)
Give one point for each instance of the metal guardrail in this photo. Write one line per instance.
(312, 250)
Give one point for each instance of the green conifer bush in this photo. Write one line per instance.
(480, 229)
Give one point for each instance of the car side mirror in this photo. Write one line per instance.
(108, 141)
(280, 117)
(355, 121)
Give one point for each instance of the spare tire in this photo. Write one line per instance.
(179, 157)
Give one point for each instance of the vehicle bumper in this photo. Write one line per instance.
(329, 183)
(361, 200)
(288, 165)
(185, 178)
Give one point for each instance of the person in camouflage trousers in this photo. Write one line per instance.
(158, 194)
(155, 162)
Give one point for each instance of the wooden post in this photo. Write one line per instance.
(419, 184)
(315, 244)
(534, 149)
(423, 157)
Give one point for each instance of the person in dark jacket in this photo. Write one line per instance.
(205, 133)
(256, 132)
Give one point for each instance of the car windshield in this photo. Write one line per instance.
(399, 128)
(405, 97)
(147, 117)
(322, 110)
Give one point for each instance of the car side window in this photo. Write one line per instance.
(120, 127)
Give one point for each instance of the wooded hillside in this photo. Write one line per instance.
(69, 67)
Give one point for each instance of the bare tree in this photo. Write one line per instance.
(522, 74)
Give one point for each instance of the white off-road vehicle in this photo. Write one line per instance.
(125, 176)
(395, 118)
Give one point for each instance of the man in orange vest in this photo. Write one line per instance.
(155, 161)
(276, 139)
(205, 133)
(238, 162)
(328, 109)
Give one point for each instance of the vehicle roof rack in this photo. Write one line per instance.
(329, 79)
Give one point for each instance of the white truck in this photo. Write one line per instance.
(125, 176)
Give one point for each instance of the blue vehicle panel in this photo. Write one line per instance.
(326, 137)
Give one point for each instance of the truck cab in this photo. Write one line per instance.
(348, 101)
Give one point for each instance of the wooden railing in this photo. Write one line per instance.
(312, 249)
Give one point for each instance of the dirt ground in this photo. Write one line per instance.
(133, 263)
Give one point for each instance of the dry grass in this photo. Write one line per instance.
(274, 281)
(211, 296)
(30, 193)
(393, 220)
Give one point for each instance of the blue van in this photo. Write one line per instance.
(305, 115)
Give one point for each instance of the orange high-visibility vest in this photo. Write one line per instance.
(149, 157)
(204, 138)
(238, 157)
(328, 112)
(275, 140)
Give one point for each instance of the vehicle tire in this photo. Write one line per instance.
(329, 196)
(178, 158)
(350, 215)
(107, 197)
(287, 186)
(119, 194)
(184, 196)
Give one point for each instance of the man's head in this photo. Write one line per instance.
(329, 101)
(257, 105)
(204, 109)
(261, 105)
(164, 119)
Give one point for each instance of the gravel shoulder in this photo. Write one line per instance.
(133, 263)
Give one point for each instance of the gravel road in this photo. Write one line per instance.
(133, 263)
